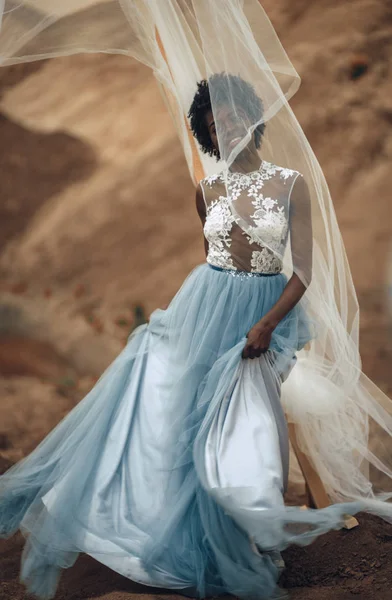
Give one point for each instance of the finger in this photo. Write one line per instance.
(259, 352)
(247, 352)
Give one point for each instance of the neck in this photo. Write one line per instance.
(246, 162)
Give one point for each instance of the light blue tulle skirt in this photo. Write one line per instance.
(172, 469)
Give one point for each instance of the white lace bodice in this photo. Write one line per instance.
(242, 210)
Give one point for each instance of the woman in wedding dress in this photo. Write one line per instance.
(172, 470)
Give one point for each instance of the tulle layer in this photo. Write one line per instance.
(174, 465)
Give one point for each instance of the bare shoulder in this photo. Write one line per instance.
(300, 189)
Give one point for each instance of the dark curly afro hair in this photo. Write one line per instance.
(224, 86)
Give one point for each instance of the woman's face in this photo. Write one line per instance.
(234, 125)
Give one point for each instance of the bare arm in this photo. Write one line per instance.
(259, 337)
(201, 210)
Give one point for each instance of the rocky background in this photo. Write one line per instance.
(98, 228)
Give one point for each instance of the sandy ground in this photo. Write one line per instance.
(98, 228)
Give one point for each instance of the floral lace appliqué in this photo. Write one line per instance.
(266, 227)
(270, 223)
(264, 261)
(217, 228)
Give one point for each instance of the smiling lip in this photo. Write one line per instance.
(234, 141)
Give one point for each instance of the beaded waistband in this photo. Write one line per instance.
(243, 274)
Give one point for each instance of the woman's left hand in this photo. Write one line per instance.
(259, 339)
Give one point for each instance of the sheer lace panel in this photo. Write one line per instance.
(260, 200)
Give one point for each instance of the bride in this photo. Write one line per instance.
(172, 470)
